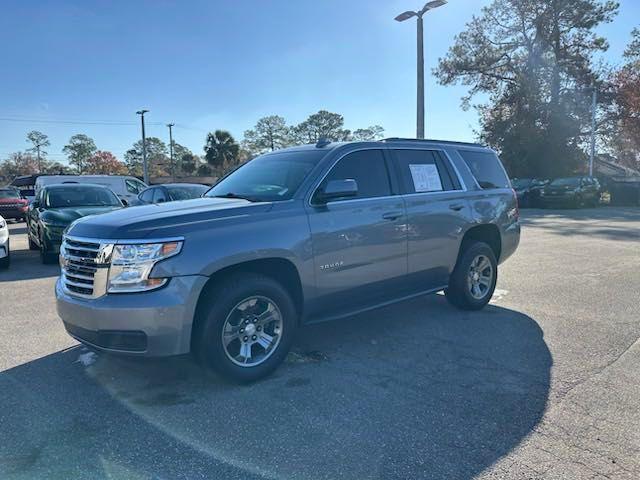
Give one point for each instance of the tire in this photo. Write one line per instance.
(6, 261)
(461, 292)
(32, 245)
(46, 256)
(223, 311)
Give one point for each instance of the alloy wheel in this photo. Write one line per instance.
(480, 277)
(252, 331)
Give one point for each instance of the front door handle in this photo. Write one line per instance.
(392, 215)
(456, 207)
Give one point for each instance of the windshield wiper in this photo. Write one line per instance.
(235, 195)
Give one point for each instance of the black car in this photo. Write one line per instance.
(571, 191)
(171, 192)
(528, 191)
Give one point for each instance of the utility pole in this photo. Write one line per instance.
(420, 64)
(173, 168)
(594, 106)
(144, 147)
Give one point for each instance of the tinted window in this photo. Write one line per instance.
(131, 186)
(186, 192)
(422, 171)
(9, 194)
(566, 182)
(367, 168)
(159, 196)
(80, 196)
(147, 195)
(486, 168)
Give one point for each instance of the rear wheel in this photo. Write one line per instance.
(246, 328)
(474, 277)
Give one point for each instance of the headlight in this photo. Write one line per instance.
(3, 223)
(132, 264)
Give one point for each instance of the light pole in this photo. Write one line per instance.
(594, 107)
(144, 147)
(420, 100)
(173, 171)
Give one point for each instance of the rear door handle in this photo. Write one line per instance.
(456, 206)
(392, 215)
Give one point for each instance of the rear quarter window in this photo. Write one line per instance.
(486, 168)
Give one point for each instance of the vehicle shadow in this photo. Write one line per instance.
(26, 265)
(417, 390)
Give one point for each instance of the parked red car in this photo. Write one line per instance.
(12, 205)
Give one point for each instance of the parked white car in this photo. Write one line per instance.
(125, 187)
(4, 244)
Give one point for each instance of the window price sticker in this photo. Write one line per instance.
(425, 178)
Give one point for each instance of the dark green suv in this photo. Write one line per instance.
(56, 206)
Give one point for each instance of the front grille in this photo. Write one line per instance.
(83, 262)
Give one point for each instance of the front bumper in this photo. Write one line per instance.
(154, 324)
(4, 246)
(557, 200)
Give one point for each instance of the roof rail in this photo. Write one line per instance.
(418, 140)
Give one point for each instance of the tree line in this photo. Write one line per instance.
(221, 151)
(538, 62)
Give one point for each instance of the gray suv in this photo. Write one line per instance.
(296, 236)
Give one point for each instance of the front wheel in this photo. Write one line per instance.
(246, 328)
(6, 261)
(46, 256)
(474, 277)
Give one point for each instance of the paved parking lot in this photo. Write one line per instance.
(544, 383)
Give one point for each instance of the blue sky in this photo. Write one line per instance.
(223, 64)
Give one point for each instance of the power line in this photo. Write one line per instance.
(73, 122)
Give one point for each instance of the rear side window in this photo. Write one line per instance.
(422, 171)
(368, 169)
(486, 168)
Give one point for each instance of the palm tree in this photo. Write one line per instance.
(221, 149)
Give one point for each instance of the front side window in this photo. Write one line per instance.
(131, 187)
(486, 168)
(367, 168)
(422, 171)
(64, 197)
(268, 178)
(159, 196)
(147, 195)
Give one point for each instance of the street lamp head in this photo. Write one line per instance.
(433, 4)
(141, 112)
(405, 16)
(171, 124)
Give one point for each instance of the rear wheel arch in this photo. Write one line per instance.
(487, 233)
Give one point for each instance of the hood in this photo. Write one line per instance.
(164, 219)
(11, 201)
(64, 216)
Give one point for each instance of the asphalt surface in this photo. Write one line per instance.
(543, 383)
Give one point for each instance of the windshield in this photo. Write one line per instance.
(272, 177)
(186, 192)
(80, 196)
(566, 182)
(9, 194)
(520, 183)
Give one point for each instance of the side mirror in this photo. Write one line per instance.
(336, 189)
(124, 202)
(35, 204)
